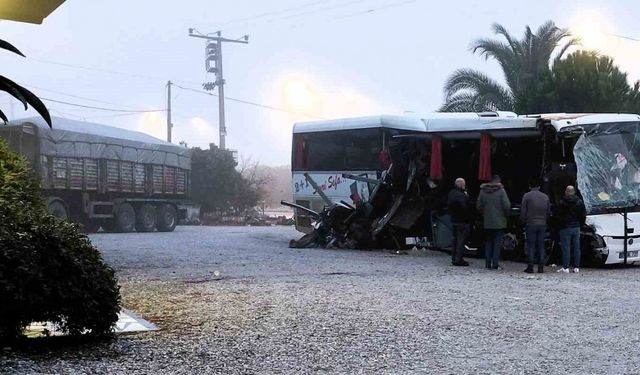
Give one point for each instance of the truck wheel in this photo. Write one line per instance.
(125, 218)
(145, 218)
(167, 219)
(57, 209)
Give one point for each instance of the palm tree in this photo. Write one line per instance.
(25, 96)
(524, 62)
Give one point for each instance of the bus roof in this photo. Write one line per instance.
(433, 122)
(449, 122)
(562, 121)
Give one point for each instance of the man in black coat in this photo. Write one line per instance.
(457, 203)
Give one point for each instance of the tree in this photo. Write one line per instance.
(525, 63)
(49, 270)
(587, 82)
(217, 185)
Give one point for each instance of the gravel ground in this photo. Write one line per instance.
(270, 309)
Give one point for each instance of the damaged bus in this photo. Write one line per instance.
(416, 159)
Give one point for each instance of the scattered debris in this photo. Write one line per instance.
(395, 207)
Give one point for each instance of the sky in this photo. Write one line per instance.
(305, 60)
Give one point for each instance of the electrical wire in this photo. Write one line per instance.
(249, 102)
(251, 18)
(102, 108)
(94, 69)
(73, 96)
(382, 7)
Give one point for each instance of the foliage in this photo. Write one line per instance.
(25, 96)
(525, 63)
(49, 271)
(217, 185)
(587, 82)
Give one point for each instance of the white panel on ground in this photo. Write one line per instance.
(127, 322)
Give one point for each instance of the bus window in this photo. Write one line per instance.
(299, 152)
(341, 150)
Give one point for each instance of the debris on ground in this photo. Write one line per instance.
(396, 208)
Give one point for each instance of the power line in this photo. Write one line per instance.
(90, 68)
(74, 96)
(248, 102)
(102, 108)
(382, 7)
(251, 18)
(624, 37)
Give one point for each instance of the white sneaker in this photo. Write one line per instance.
(576, 270)
(565, 270)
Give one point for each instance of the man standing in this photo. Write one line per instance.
(494, 205)
(534, 211)
(571, 215)
(457, 203)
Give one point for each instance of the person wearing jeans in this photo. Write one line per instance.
(494, 205)
(570, 242)
(571, 215)
(534, 212)
(492, 247)
(457, 202)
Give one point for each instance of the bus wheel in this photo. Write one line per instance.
(57, 209)
(125, 218)
(166, 218)
(145, 218)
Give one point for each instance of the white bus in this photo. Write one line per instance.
(599, 153)
(327, 149)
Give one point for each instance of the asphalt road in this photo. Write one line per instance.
(237, 300)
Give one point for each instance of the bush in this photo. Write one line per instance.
(49, 270)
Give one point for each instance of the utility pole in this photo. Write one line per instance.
(169, 124)
(213, 54)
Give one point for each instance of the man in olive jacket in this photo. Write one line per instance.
(494, 205)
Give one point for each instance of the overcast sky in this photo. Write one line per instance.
(315, 59)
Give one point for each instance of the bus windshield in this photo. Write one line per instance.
(608, 162)
(340, 150)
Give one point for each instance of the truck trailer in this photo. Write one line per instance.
(103, 176)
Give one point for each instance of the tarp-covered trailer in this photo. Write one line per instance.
(102, 176)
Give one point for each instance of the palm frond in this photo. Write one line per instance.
(570, 43)
(481, 86)
(3, 117)
(500, 30)
(9, 47)
(26, 97)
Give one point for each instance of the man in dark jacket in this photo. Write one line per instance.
(494, 205)
(457, 203)
(534, 211)
(571, 215)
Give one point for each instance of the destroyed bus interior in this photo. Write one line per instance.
(414, 171)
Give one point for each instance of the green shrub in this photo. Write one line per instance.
(49, 270)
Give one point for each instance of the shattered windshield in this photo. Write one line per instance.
(607, 157)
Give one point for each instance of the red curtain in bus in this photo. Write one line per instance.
(484, 170)
(436, 158)
(300, 155)
(385, 159)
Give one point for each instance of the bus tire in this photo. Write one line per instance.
(125, 218)
(58, 209)
(145, 218)
(166, 218)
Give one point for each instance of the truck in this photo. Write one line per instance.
(105, 177)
